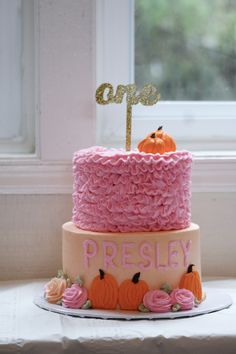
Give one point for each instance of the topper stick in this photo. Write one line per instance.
(128, 126)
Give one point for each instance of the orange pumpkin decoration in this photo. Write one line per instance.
(104, 291)
(191, 281)
(131, 293)
(157, 142)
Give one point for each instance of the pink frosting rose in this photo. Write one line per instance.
(157, 301)
(75, 297)
(54, 289)
(183, 297)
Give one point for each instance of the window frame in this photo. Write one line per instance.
(62, 93)
(176, 114)
(212, 171)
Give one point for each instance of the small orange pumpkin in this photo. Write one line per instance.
(191, 281)
(104, 291)
(157, 142)
(131, 293)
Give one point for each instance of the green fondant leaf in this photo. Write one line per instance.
(142, 308)
(175, 307)
(79, 281)
(87, 305)
(166, 287)
(60, 273)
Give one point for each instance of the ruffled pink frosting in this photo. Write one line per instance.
(119, 191)
(157, 301)
(183, 297)
(75, 297)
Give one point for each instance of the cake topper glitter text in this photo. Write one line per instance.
(148, 96)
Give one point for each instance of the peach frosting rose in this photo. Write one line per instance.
(54, 289)
(157, 301)
(183, 297)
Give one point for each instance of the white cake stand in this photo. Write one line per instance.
(215, 301)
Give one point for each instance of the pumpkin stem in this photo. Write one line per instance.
(135, 278)
(102, 273)
(190, 268)
(153, 135)
(160, 128)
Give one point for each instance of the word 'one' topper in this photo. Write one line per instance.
(148, 96)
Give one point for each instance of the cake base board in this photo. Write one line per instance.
(215, 301)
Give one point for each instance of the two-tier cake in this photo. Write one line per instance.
(131, 244)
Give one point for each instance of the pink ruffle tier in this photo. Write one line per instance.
(119, 191)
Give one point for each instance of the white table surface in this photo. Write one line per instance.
(25, 328)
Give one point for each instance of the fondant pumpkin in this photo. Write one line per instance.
(157, 142)
(104, 291)
(191, 281)
(131, 293)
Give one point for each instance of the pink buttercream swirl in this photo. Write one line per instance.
(119, 191)
(183, 297)
(75, 297)
(157, 301)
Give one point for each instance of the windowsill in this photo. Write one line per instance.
(32, 176)
(211, 173)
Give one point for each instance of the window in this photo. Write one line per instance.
(17, 77)
(187, 48)
(56, 80)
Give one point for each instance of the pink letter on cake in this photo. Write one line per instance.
(172, 254)
(89, 245)
(186, 250)
(109, 253)
(126, 255)
(158, 265)
(145, 251)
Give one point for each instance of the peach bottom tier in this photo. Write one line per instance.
(119, 191)
(160, 257)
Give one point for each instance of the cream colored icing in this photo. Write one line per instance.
(165, 259)
(54, 289)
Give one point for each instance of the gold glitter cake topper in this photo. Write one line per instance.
(148, 96)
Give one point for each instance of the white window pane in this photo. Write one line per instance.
(187, 48)
(10, 68)
(16, 77)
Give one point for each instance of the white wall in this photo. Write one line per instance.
(66, 77)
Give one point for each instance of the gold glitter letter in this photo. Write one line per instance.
(131, 92)
(149, 95)
(100, 93)
(120, 91)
